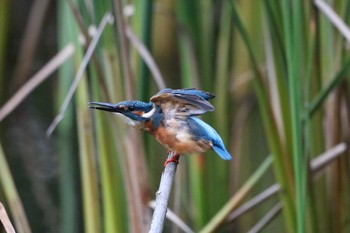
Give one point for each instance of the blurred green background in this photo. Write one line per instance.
(279, 70)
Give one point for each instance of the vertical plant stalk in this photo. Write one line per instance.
(267, 218)
(146, 33)
(12, 197)
(124, 53)
(147, 61)
(36, 80)
(30, 41)
(283, 172)
(339, 23)
(4, 26)
(136, 163)
(88, 165)
(80, 73)
(235, 200)
(293, 34)
(137, 178)
(162, 197)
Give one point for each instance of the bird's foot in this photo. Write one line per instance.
(174, 159)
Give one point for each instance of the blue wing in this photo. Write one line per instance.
(192, 91)
(205, 131)
(185, 102)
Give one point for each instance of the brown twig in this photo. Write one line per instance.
(107, 17)
(38, 78)
(316, 166)
(147, 58)
(30, 40)
(267, 218)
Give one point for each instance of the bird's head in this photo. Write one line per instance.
(134, 112)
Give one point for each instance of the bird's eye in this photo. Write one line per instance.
(130, 108)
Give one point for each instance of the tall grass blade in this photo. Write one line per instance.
(4, 25)
(146, 35)
(69, 179)
(221, 216)
(317, 165)
(111, 180)
(80, 73)
(293, 39)
(36, 80)
(258, 199)
(12, 196)
(30, 41)
(88, 166)
(333, 83)
(334, 18)
(282, 165)
(266, 219)
(148, 62)
(295, 56)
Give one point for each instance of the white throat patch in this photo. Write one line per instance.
(127, 120)
(150, 113)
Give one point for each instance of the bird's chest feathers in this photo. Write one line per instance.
(175, 135)
(172, 129)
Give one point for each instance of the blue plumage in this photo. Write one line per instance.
(125, 107)
(170, 118)
(135, 105)
(188, 91)
(185, 102)
(204, 131)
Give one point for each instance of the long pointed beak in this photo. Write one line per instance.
(105, 107)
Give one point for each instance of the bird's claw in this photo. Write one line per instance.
(173, 159)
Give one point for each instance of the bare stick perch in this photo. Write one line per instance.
(162, 197)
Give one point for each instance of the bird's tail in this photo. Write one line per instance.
(222, 152)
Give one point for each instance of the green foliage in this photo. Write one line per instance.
(278, 69)
(4, 9)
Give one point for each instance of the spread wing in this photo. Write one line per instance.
(184, 102)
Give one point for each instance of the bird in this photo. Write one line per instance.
(171, 117)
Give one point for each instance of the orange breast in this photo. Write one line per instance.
(180, 142)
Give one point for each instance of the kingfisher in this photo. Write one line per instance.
(171, 118)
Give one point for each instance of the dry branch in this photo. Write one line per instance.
(4, 218)
(162, 197)
(37, 79)
(89, 52)
(267, 218)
